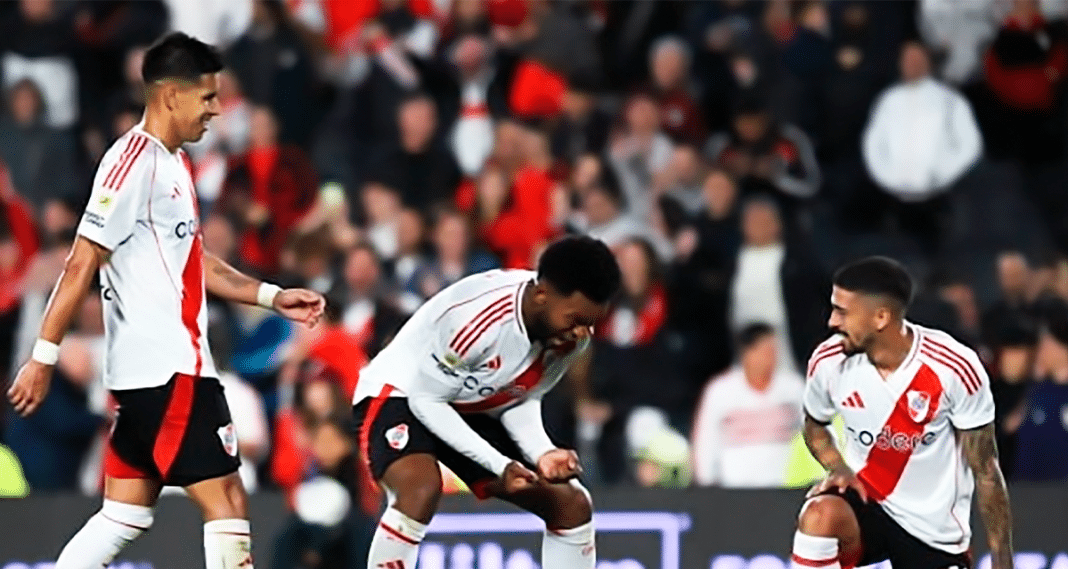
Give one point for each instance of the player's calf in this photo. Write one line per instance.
(827, 533)
(227, 534)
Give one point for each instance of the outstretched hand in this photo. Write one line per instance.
(301, 305)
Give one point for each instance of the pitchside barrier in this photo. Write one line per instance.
(638, 529)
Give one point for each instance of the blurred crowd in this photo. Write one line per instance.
(732, 153)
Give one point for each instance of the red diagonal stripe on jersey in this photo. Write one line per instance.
(951, 365)
(885, 464)
(474, 322)
(514, 390)
(193, 296)
(969, 369)
(827, 348)
(130, 163)
(492, 319)
(805, 562)
(817, 359)
(115, 168)
(175, 423)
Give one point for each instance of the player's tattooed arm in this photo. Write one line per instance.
(820, 443)
(227, 282)
(981, 451)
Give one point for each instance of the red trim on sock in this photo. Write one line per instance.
(813, 562)
(131, 526)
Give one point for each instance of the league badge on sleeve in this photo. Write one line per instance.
(397, 437)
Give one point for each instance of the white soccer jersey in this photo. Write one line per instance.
(741, 436)
(900, 432)
(143, 209)
(468, 347)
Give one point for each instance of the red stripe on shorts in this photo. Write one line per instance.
(175, 423)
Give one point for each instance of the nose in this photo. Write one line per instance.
(833, 321)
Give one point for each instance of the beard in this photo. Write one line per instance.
(851, 347)
(540, 331)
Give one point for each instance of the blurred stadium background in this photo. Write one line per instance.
(732, 152)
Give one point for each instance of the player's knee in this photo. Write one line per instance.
(418, 499)
(573, 506)
(823, 515)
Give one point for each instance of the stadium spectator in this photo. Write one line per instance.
(921, 139)
(1042, 437)
(419, 168)
(39, 43)
(403, 268)
(670, 73)
(764, 155)
(701, 283)
(747, 417)
(583, 126)
(215, 23)
(479, 98)
(453, 255)
(515, 222)
(326, 529)
(1014, 364)
(680, 187)
(1025, 69)
(601, 216)
(269, 189)
(1017, 302)
(959, 31)
(366, 314)
(18, 246)
(639, 153)
(275, 68)
(52, 443)
(328, 349)
(630, 350)
(40, 158)
(778, 281)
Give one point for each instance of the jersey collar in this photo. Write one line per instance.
(520, 325)
(140, 129)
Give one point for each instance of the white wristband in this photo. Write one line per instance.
(45, 352)
(265, 296)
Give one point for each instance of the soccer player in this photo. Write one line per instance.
(918, 415)
(462, 383)
(140, 231)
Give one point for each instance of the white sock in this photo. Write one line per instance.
(569, 548)
(812, 551)
(227, 544)
(396, 542)
(104, 536)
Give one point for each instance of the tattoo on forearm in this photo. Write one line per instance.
(821, 445)
(981, 452)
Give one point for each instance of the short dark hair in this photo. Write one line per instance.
(752, 333)
(580, 264)
(880, 276)
(179, 56)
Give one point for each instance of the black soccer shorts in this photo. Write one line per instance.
(389, 430)
(882, 538)
(179, 433)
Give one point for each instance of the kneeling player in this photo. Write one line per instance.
(462, 383)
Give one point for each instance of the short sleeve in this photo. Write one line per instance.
(120, 191)
(816, 398)
(971, 403)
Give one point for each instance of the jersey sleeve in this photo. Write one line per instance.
(971, 403)
(816, 399)
(448, 367)
(119, 194)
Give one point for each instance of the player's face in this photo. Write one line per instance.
(852, 316)
(566, 318)
(196, 104)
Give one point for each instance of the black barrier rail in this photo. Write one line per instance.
(638, 529)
